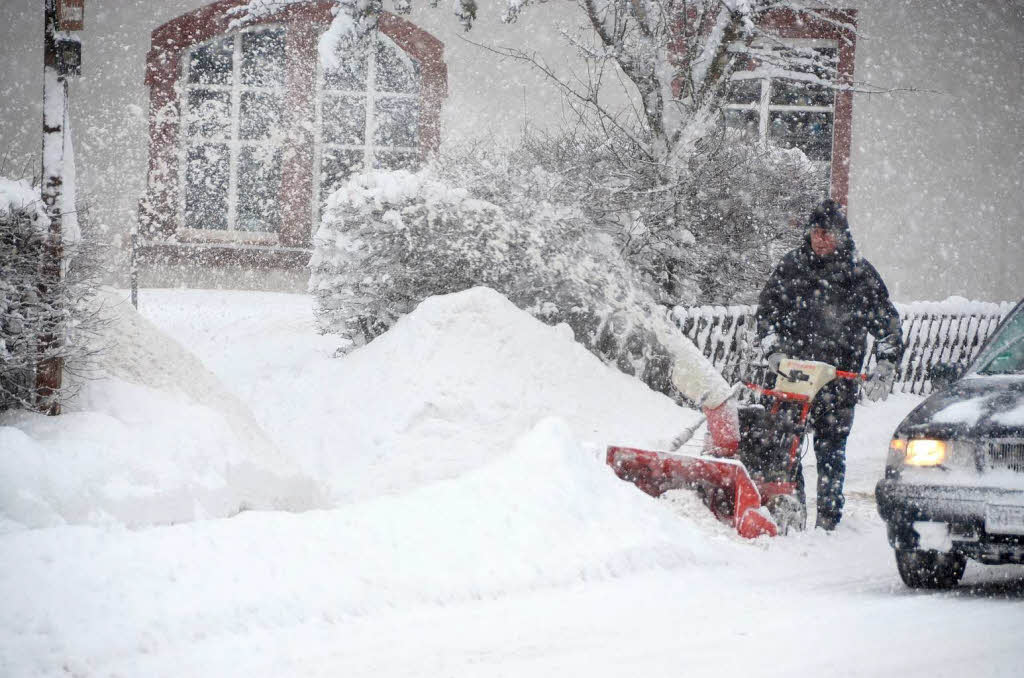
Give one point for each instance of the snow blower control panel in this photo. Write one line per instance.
(803, 377)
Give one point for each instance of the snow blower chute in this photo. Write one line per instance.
(756, 490)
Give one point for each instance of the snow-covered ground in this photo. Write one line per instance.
(464, 523)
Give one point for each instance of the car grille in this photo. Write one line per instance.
(1005, 454)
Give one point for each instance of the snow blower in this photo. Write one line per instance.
(756, 491)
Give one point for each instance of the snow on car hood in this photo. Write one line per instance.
(976, 407)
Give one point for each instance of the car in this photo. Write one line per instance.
(954, 477)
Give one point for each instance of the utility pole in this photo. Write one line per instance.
(61, 57)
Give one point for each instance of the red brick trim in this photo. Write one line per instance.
(304, 22)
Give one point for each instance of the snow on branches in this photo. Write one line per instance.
(18, 199)
(391, 239)
(679, 55)
(35, 301)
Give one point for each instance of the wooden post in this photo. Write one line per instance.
(49, 370)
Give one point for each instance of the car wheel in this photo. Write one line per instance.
(930, 569)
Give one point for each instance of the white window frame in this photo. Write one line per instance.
(233, 142)
(765, 108)
(368, 147)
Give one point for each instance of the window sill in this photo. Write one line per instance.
(199, 235)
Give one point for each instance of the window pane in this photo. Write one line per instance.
(397, 122)
(260, 115)
(794, 93)
(209, 114)
(394, 160)
(818, 63)
(746, 122)
(206, 186)
(259, 182)
(344, 119)
(824, 63)
(212, 64)
(396, 72)
(336, 166)
(745, 91)
(810, 132)
(350, 75)
(263, 58)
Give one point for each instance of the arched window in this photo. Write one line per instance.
(248, 133)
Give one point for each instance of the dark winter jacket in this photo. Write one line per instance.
(823, 308)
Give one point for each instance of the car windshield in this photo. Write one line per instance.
(1005, 354)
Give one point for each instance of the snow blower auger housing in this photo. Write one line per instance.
(757, 491)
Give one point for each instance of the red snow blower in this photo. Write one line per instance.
(756, 490)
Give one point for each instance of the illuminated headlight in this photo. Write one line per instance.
(925, 452)
(931, 452)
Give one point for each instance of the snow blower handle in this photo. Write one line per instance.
(687, 433)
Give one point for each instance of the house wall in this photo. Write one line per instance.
(936, 200)
(935, 195)
(487, 95)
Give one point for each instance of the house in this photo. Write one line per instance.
(220, 141)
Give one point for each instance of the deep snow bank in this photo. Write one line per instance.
(548, 512)
(152, 437)
(545, 515)
(450, 387)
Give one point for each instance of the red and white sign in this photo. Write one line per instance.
(70, 15)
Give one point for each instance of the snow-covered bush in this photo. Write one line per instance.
(391, 239)
(23, 226)
(36, 302)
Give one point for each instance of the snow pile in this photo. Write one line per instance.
(547, 513)
(448, 388)
(152, 438)
(454, 407)
(545, 516)
(155, 438)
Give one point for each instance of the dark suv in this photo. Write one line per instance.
(954, 477)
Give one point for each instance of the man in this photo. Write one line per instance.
(820, 304)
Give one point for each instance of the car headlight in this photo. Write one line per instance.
(925, 452)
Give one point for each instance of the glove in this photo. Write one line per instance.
(724, 428)
(769, 343)
(880, 380)
(770, 348)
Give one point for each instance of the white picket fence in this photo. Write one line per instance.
(950, 331)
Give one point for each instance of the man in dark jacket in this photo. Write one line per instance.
(820, 304)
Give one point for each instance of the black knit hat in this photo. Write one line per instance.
(829, 215)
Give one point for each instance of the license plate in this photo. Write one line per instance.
(1000, 519)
